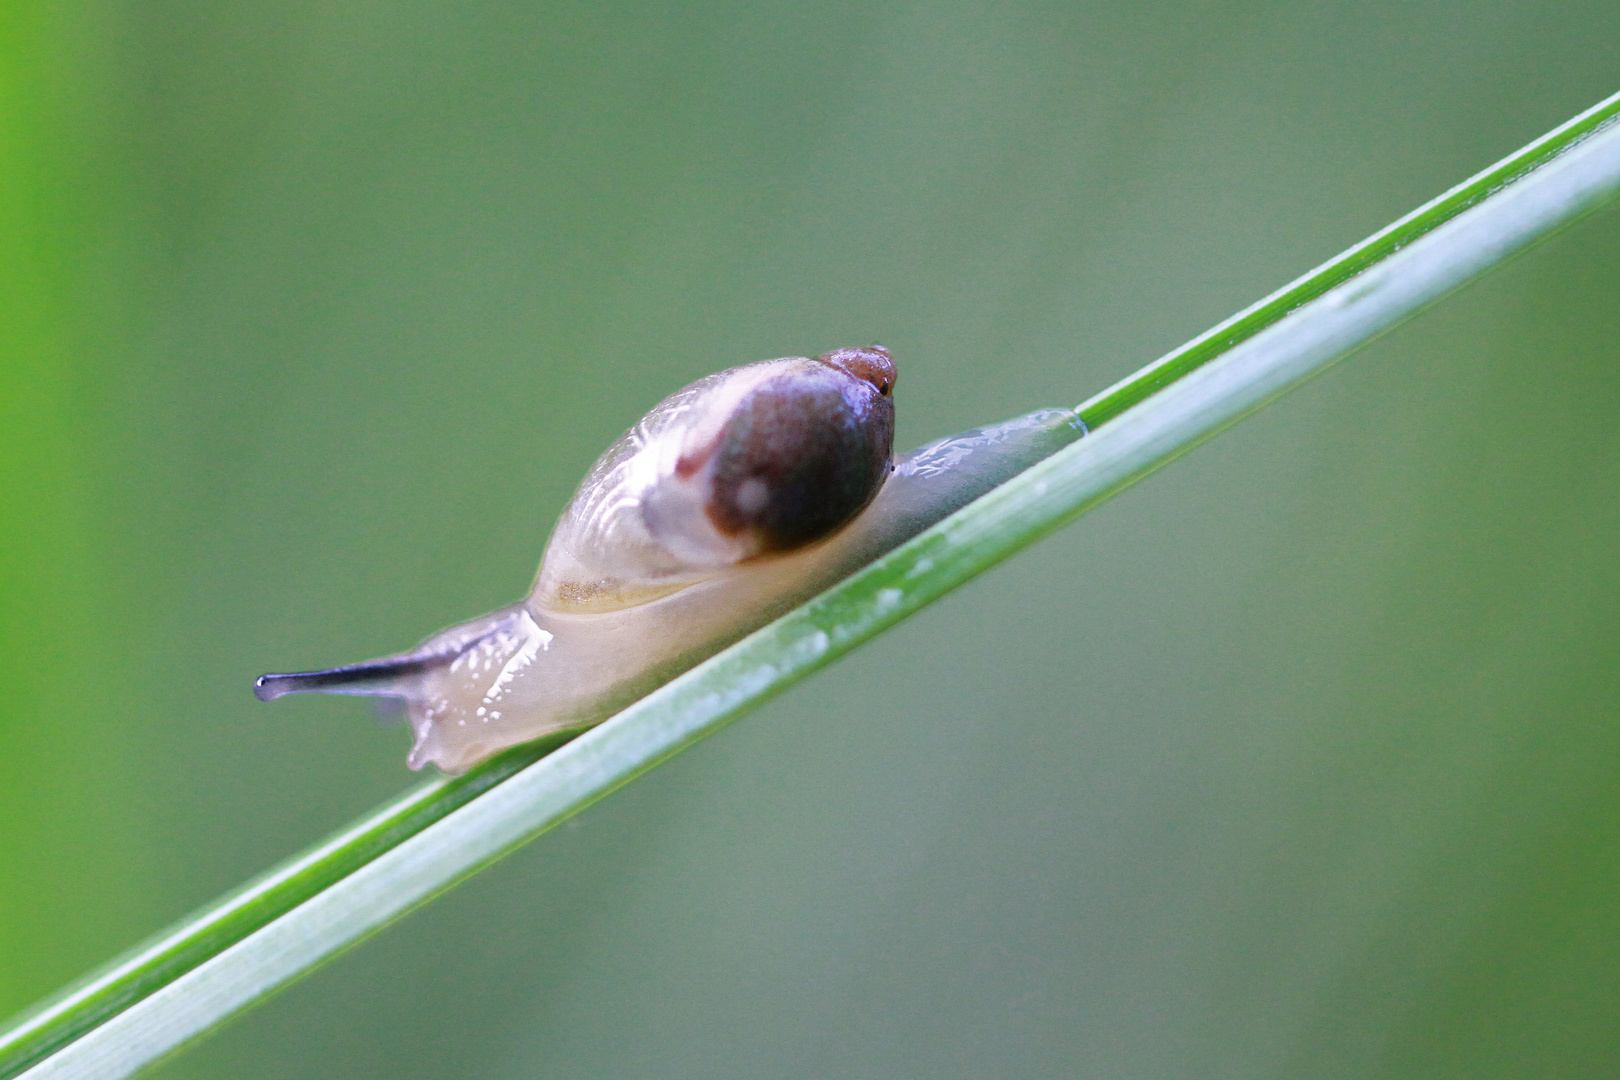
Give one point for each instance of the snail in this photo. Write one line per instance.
(734, 500)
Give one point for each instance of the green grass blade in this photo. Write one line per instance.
(1347, 264)
(207, 932)
(234, 953)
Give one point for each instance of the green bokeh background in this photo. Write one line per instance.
(1299, 759)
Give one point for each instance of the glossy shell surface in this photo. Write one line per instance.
(752, 462)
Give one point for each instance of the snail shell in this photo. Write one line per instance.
(733, 501)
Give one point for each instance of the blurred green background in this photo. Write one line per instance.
(1298, 759)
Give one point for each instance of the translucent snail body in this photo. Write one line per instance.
(733, 501)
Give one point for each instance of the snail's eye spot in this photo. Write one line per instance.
(694, 459)
(871, 363)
